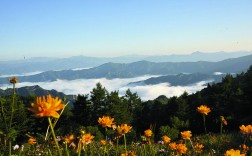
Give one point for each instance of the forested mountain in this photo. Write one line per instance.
(230, 98)
(36, 91)
(181, 79)
(119, 70)
(45, 64)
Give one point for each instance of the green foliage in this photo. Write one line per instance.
(94, 130)
(118, 109)
(171, 132)
(178, 123)
(82, 111)
(98, 100)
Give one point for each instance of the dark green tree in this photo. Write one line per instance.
(118, 109)
(134, 104)
(82, 111)
(98, 100)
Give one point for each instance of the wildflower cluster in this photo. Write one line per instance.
(178, 149)
(84, 143)
(246, 129)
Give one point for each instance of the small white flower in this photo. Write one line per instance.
(213, 151)
(16, 147)
(58, 138)
(161, 150)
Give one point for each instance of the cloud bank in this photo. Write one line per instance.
(24, 74)
(84, 86)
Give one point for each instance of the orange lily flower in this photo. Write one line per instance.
(47, 106)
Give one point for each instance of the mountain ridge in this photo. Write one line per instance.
(47, 63)
(180, 79)
(37, 91)
(130, 70)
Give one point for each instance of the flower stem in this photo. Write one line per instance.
(10, 147)
(204, 120)
(105, 149)
(79, 148)
(48, 133)
(191, 144)
(11, 118)
(67, 152)
(125, 143)
(221, 128)
(117, 140)
(54, 137)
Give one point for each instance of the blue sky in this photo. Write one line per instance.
(63, 28)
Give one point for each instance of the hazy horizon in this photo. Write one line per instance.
(126, 55)
(116, 28)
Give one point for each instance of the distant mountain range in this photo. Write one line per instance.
(122, 70)
(46, 64)
(181, 79)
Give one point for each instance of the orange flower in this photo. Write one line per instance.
(69, 138)
(148, 133)
(106, 121)
(186, 134)
(246, 129)
(166, 139)
(32, 141)
(87, 138)
(233, 152)
(173, 145)
(47, 106)
(131, 153)
(223, 120)
(103, 142)
(13, 80)
(181, 148)
(198, 147)
(203, 109)
(244, 148)
(123, 129)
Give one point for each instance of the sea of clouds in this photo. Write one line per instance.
(85, 86)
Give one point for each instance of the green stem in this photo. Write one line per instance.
(67, 152)
(125, 143)
(10, 147)
(117, 140)
(221, 128)
(55, 122)
(106, 138)
(191, 143)
(12, 106)
(204, 120)
(144, 150)
(3, 116)
(54, 137)
(50, 152)
(5, 123)
(247, 136)
(79, 148)
(11, 118)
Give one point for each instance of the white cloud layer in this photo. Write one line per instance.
(24, 74)
(84, 86)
